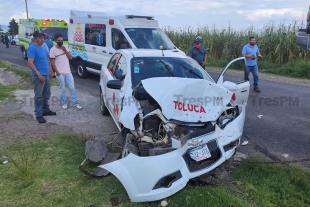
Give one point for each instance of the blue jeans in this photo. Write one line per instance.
(42, 93)
(63, 80)
(254, 70)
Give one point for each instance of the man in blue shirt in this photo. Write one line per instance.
(198, 53)
(251, 52)
(38, 63)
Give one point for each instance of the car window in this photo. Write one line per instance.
(95, 34)
(149, 67)
(119, 41)
(149, 38)
(113, 63)
(121, 68)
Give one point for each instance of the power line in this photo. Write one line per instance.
(14, 7)
(8, 6)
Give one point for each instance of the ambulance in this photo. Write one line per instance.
(49, 27)
(93, 37)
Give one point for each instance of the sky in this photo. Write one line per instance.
(176, 14)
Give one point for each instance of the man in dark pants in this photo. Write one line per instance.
(198, 53)
(6, 39)
(251, 51)
(2, 38)
(38, 64)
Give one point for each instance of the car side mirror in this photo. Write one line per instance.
(230, 86)
(114, 84)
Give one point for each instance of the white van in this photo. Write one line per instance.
(93, 37)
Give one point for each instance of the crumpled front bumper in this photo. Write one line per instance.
(157, 177)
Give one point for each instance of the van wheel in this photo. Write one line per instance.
(25, 54)
(81, 70)
(103, 108)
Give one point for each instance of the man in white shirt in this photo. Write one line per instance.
(60, 57)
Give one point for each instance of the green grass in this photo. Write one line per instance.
(23, 73)
(274, 185)
(55, 181)
(6, 92)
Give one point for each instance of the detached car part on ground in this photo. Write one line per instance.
(177, 123)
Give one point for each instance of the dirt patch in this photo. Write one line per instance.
(17, 126)
(9, 77)
(264, 76)
(18, 123)
(87, 121)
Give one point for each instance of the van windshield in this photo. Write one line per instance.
(51, 31)
(149, 38)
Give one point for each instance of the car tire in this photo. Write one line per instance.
(81, 70)
(125, 150)
(25, 54)
(104, 110)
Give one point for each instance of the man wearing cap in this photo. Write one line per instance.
(198, 53)
(38, 64)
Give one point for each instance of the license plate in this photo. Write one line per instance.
(200, 153)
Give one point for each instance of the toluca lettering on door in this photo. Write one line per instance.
(188, 107)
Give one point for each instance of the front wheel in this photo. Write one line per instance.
(103, 108)
(25, 54)
(81, 70)
(128, 143)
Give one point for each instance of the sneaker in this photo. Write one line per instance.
(78, 106)
(40, 119)
(256, 89)
(65, 106)
(49, 113)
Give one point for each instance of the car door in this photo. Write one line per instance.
(110, 94)
(119, 74)
(239, 86)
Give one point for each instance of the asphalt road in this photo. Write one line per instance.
(284, 127)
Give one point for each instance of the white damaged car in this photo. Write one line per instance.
(176, 121)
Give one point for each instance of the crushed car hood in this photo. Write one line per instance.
(186, 99)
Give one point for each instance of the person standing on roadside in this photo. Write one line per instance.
(251, 51)
(198, 53)
(6, 39)
(60, 56)
(2, 38)
(38, 64)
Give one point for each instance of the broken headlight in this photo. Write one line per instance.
(227, 116)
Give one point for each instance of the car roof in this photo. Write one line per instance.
(153, 53)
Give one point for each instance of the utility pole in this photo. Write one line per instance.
(26, 9)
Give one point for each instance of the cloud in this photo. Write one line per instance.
(151, 7)
(18, 16)
(269, 13)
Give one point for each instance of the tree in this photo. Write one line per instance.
(13, 27)
(1, 29)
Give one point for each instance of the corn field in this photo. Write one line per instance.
(277, 43)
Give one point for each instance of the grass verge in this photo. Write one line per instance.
(295, 69)
(23, 73)
(54, 180)
(6, 92)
